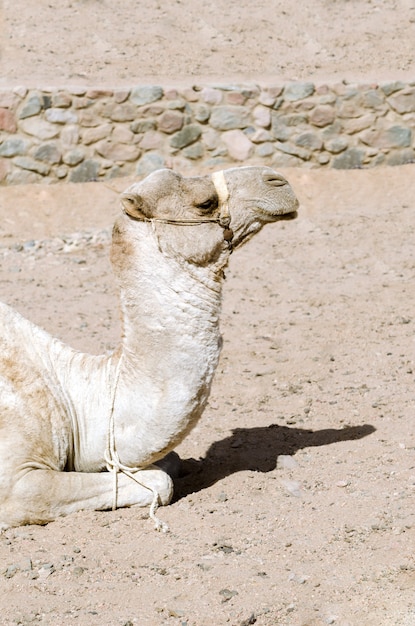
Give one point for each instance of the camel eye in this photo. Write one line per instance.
(208, 205)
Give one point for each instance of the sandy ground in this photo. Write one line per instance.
(297, 504)
(297, 507)
(187, 41)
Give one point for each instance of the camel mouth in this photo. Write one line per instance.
(278, 216)
(292, 215)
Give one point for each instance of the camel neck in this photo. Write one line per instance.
(164, 302)
(170, 346)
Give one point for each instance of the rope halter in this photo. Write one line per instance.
(223, 219)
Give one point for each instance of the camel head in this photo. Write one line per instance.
(202, 218)
(255, 196)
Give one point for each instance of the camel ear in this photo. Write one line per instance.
(133, 205)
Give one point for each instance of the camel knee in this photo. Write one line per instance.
(15, 513)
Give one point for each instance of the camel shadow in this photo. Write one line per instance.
(256, 449)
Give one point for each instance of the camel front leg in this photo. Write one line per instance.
(42, 495)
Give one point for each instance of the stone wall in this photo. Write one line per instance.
(77, 135)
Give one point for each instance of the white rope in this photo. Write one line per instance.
(114, 465)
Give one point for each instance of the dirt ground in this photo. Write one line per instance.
(297, 506)
(98, 42)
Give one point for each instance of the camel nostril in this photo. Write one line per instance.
(274, 179)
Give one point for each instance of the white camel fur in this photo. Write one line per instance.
(66, 418)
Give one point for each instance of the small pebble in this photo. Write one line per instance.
(227, 594)
(175, 613)
(222, 497)
(11, 571)
(78, 571)
(292, 487)
(46, 570)
(342, 483)
(286, 461)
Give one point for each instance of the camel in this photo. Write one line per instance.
(79, 431)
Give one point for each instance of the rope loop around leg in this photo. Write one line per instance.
(114, 465)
